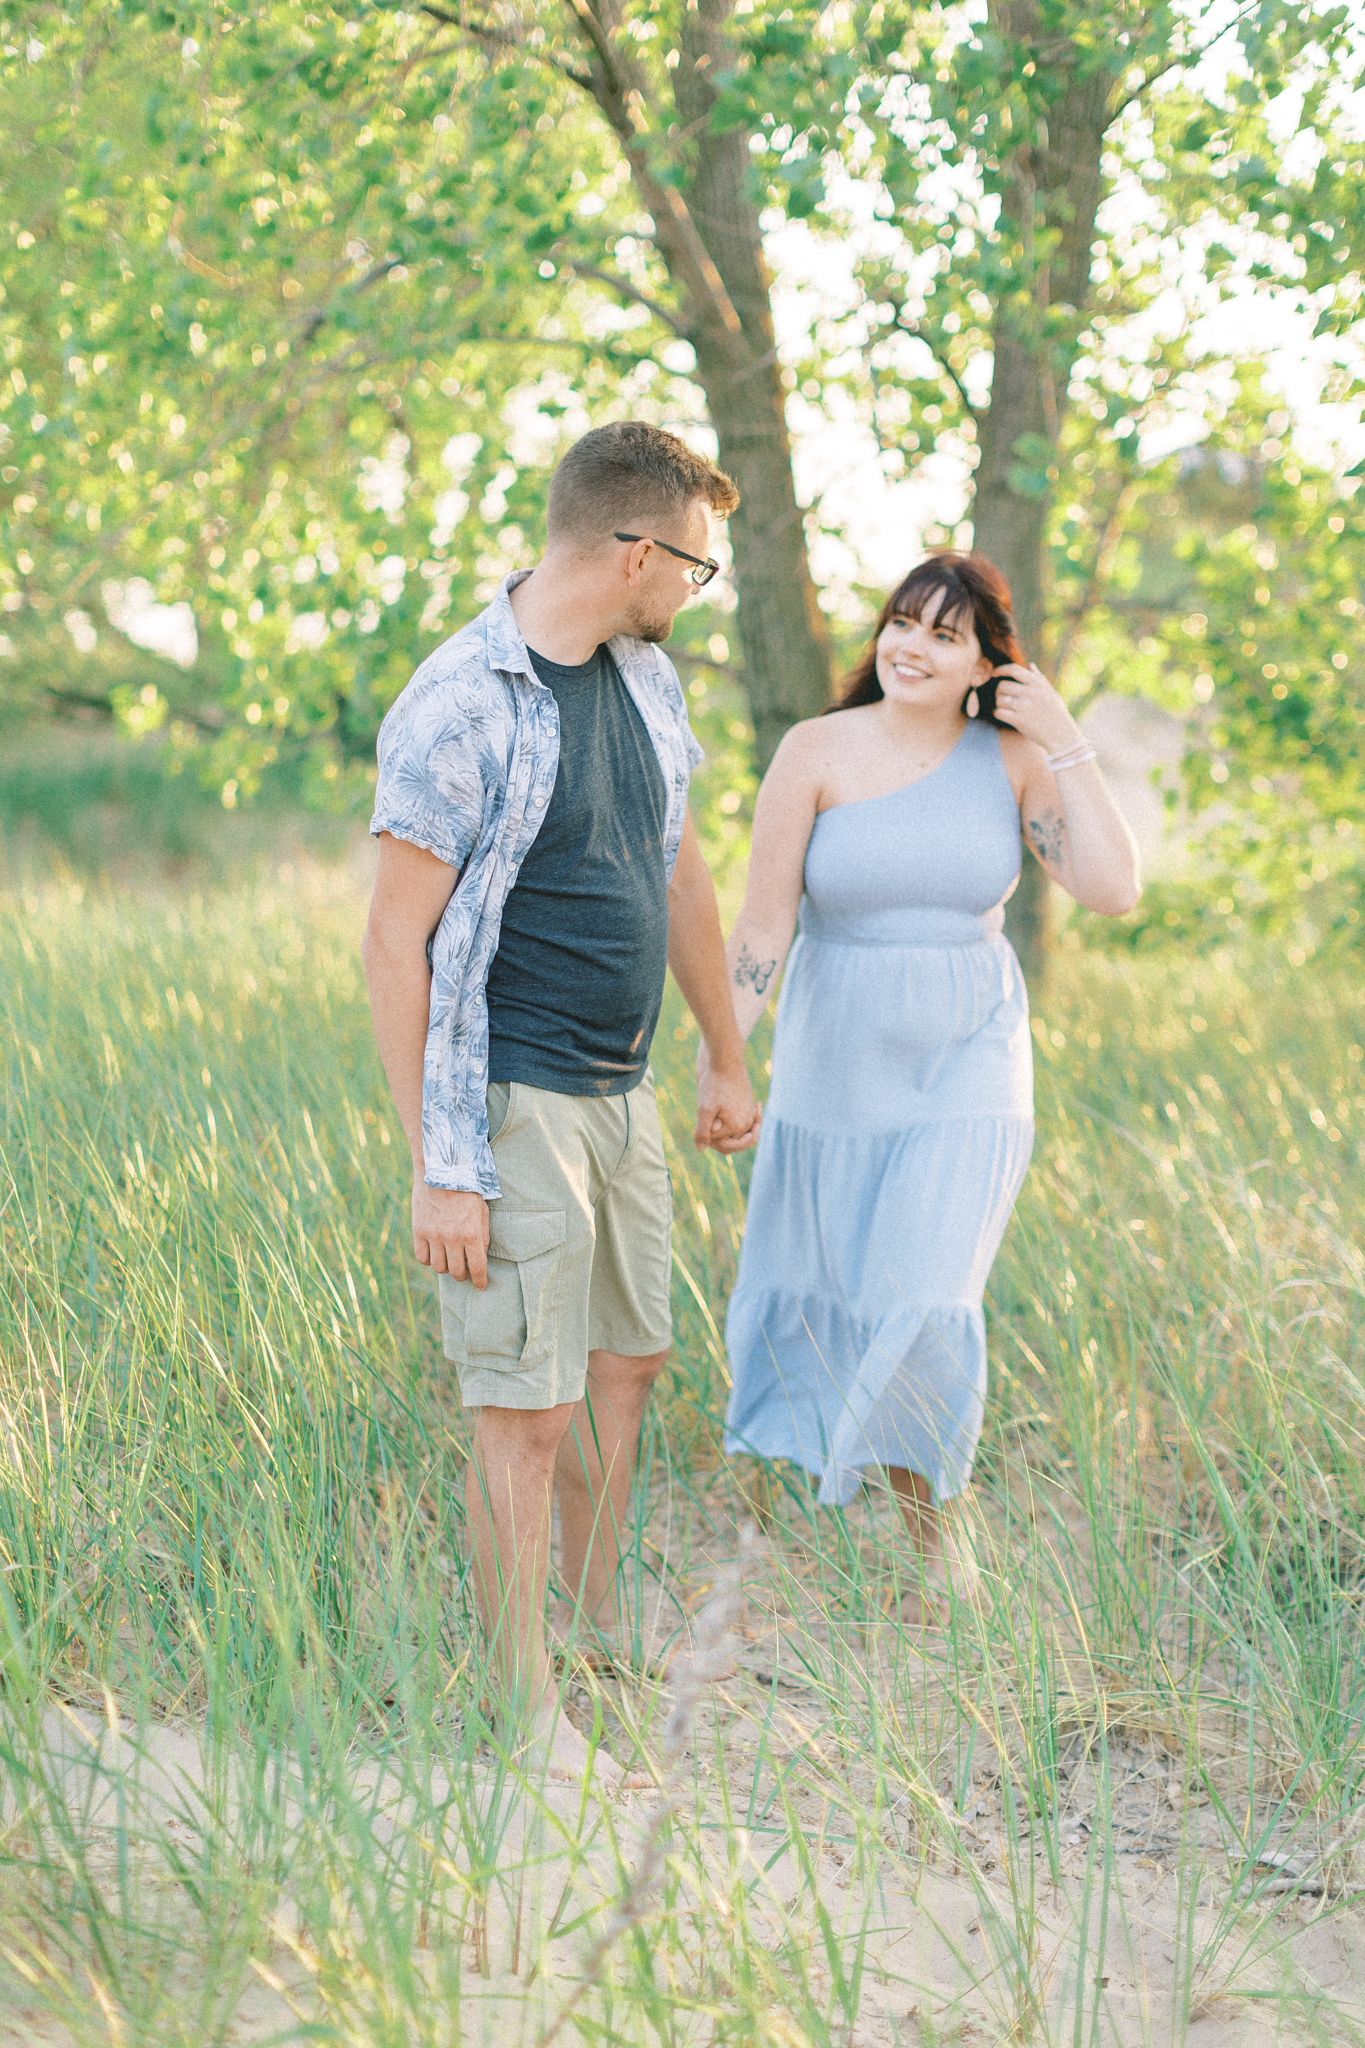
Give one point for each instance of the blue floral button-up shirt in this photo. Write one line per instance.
(467, 763)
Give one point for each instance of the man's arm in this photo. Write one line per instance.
(727, 1115)
(411, 890)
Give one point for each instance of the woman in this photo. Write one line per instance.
(900, 1119)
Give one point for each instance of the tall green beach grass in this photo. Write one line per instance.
(250, 1785)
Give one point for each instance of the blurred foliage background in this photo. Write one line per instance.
(298, 309)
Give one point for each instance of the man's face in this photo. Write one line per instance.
(664, 584)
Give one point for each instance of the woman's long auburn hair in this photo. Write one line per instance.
(973, 589)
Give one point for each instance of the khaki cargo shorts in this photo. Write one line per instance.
(579, 1253)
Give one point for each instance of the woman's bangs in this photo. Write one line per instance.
(925, 582)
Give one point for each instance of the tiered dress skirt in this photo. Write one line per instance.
(896, 1137)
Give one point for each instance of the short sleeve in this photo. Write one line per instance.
(696, 752)
(430, 790)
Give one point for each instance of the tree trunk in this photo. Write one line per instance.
(786, 644)
(787, 672)
(1010, 509)
(707, 231)
(1009, 525)
(1053, 187)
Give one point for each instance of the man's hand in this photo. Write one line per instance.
(450, 1232)
(727, 1115)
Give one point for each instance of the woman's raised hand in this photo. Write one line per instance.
(1025, 699)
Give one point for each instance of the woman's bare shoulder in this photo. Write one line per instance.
(808, 756)
(817, 740)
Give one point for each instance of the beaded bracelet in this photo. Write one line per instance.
(1073, 757)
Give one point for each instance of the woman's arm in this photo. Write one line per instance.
(783, 818)
(1068, 816)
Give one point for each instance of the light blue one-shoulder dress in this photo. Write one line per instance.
(896, 1137)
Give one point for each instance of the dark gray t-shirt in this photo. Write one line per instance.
(576, 983)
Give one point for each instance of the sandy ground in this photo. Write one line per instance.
(949, 1952)
(940, 1958)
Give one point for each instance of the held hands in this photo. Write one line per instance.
(450, 1232)
(450, 1226)
(727, 1115)
(1025, 699)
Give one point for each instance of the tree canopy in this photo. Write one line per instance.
(261, 352)
(300, 306)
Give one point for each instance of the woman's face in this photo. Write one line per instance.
(930, 666)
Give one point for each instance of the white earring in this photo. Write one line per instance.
(973, 704)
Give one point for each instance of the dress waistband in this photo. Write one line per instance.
(905, 928)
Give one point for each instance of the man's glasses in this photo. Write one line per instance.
(702, 572)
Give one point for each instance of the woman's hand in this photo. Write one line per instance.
(1025, 699)
(727, 1115)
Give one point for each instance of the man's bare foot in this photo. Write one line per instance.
(564, 1755)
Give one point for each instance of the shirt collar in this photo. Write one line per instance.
(506, 647)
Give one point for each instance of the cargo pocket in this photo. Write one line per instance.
(510, 1324)
(498, 1105)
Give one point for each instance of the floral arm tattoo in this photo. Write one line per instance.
(756, 974)
(1047, 836)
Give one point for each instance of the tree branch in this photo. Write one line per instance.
(592, 28)
(317, 320)
(498, 39)
(951, 373)
(1186, 62)
(1099, 570)
(629, 291)
(680, 658)
(619, 94)
(620, 97)
(918, 334)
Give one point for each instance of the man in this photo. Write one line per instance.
(537, 871)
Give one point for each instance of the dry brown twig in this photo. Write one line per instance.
(691, 1675)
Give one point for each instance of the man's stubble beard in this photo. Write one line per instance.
(652, 626)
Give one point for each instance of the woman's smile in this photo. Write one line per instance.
(927, 663)
(929, 660)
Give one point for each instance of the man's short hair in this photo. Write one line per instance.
(626, 476)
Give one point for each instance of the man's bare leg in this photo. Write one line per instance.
(508, 1492)
(595, 1472)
